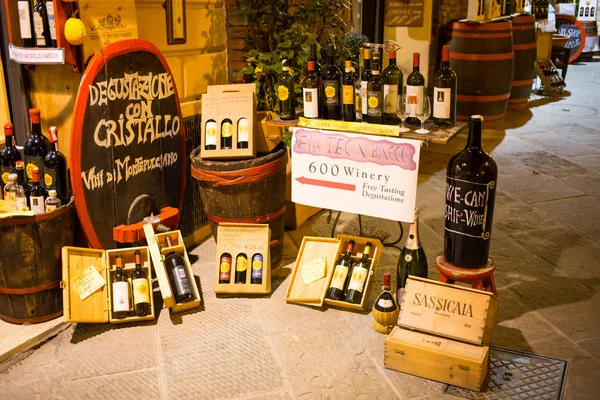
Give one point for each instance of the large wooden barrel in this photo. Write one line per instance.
(482, 56)
(248, 191)
(525, 47)
(30, 265)
(591, 41)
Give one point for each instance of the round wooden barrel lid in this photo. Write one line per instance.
(127, 140)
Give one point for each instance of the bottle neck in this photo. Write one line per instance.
(366, 253)
(367, 63)
(413, 241)
(445, 64)
(56, 146)
(415, 68)
(36, 129)
(392, 62)
(330, 59)
(474, 139)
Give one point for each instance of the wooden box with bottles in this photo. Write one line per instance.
(98, 307)
(451, 311)
(444, 360)
(241, 247)
(228, 118)
(315, 292)
(160, 251)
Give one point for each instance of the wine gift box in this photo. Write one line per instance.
(432, 357)
(313, 248)
(232, 102)
(451, 311)
(248, 239)
(97, 307)
(159, 250)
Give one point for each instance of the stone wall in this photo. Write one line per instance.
(236, 41)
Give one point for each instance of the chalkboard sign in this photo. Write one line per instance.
(127, 145)
(404, 12)
(567, 25)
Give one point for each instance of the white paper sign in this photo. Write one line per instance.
(368, 175)
(36, 55)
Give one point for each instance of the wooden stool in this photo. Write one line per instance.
(479, 278)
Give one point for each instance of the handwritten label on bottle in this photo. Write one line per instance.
(467, 207)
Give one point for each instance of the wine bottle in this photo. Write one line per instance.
(313, 57)
(412, 260)
(225, 268)
(36, 147)
(241, 268)
(348, 111)
(141, 288)
(444, 93)
(310, 92)
(51, 24)
(375, 95)
(226, 134)
(358, 278)
(243, 133)
(385, 309)
(364, 81)
(41, 25)
(393, 80)
(331, 84)
(37, 194)
(415, 83)
(22, 181)
(14, 194)
(9, 155)
(55, 168)
(339, 282)
(257, 269)
(52, 202)
(286, 92)
(25, 23)
(210, 135)
(179, 276)
(120, 290)
(471, 180)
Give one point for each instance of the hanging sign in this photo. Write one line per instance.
(404, 12)
(127, 144)
(355, 173)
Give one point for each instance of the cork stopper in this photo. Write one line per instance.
(8, 129)
(392, 52)
(416, 59)
(446, 53)
(34, 115)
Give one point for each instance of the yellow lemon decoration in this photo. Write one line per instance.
(241, 264)
(5, 177)
(227, 129)
(29, 170)
(48, 180)
(225, 266)
(74, 31)
(330, 91)
(373, 102)
(257, 265)
(283, 93)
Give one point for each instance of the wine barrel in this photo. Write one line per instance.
(482, 56)
(591, 41)
(525, 47)
(30, 265)
(247, 191)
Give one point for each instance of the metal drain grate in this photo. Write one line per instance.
(518, 375)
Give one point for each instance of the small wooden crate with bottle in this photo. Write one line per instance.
(339, 272)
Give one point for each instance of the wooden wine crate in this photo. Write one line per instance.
(450, 311)
(234, 102)
(248, 239)
(97, 307)
(159, 250)
(312, 248)
(432, 357)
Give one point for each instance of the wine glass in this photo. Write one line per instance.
(403, 110)
(423, 113)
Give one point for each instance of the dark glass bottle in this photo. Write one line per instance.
(210, 135)
(375, 95)
(393, 79)
(348, 110)
(412, 259)
(51, 22)
(9, 155)
(471, 180)
(226, 134)
(385, 302)
(22, 180)
(313, 57)
(225, 268)
(36, 147)
(339, 281)
(241, 268)
(41, 25)
(120, 290)
(358, 278)
(364, 80)
(257, 269)
(243, 129)
(178, 275)
(415, 83)
(331, 83)
(286, 92)
(310, 92)
(141, 288)
(26, 23)
(37, 194)
(444, 93)
(55, 169)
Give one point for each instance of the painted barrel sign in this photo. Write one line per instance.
(128, 144)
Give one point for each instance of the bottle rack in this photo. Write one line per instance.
(550, 76)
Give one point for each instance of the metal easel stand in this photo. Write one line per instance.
(372, 232)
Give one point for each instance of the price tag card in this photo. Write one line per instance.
(88, 282)
(314, 270)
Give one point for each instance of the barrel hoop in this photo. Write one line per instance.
(29, 290)
(254, 220)
(38, 217)
(482, 57)
(523, 82)
(527, 46)
(522, 27)
(486, 118)
(276, 242)
(514, 101)
(240, 176)
(523, 19)
(481, 35)
(482, 99)
(34, 320)
(483, 27)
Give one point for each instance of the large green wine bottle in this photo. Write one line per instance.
(286, 92)
(412, 259)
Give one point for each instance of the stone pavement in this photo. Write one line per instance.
(546, 242)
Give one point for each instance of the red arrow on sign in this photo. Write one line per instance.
(334, 185)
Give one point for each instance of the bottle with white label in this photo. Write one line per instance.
(51, 24)
(41, 25)
(37, 194)
(444, 93)
(25, 23)
(339, 282)
(52, 202)
(310, 92)
(358, 277)
(210, 135)
(364, 81)
(120, 290)
(415, 83)
(385, 309)
(243, 133)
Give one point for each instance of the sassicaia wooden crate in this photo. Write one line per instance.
(98, 306)
(451, 311)
(432, 357)
(313, 248)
